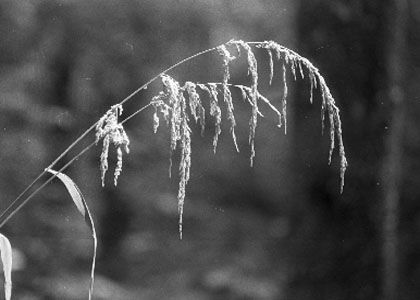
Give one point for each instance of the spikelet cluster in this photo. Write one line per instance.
(227, 95)
(253, 95)
(177, 103)
(298, 64)
(111, 132)
(196, 107)
(215, 112)
(172, 105)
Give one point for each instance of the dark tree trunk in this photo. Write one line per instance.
(396, 52)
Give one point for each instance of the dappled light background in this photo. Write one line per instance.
(279, 230)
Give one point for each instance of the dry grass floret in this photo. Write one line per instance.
(197, 109)
(171, 103)
(227, 95)
(113, 132)
(253, 71)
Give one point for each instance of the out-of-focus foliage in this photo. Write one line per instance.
(278, 230)
(349, 39)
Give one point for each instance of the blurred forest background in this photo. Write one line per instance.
(279, 230)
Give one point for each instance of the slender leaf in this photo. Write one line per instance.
(6, 259)
(82, 207)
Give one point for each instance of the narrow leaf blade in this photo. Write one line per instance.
(6, 259)
(82, 207)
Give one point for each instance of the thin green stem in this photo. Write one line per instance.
(52, 164)
(136, 112)
(166, 71)
(18, 203)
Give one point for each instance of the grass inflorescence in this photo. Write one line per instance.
(178, 105)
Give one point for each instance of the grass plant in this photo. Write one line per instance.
(179, 105)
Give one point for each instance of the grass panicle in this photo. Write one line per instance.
(284, 98)
(178, 104)
(113, 132)
(171, 104)
(227, 95)
(253, 72)
(216, 113)
(271, 64)
(196, 107)
(175, 112)
(328, 106)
